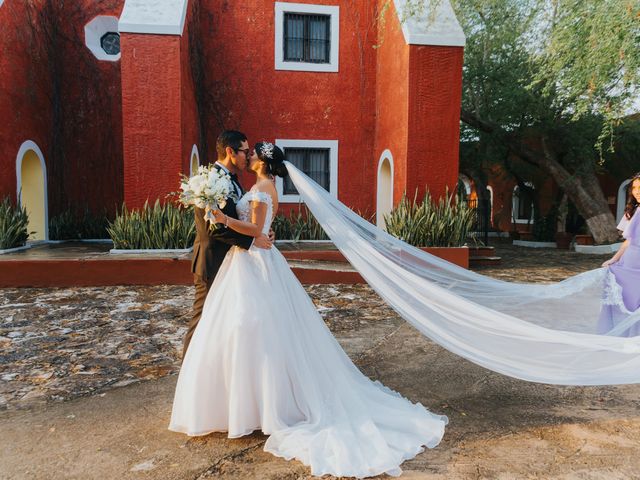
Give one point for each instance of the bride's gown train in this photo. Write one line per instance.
(262, 358)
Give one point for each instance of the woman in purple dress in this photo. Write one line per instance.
(620, 313)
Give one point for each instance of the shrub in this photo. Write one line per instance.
(300, 225)
(14, 223)
(159, 227)
(445, 223)
(70, 225)
(544, 228)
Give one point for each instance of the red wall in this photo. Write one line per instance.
(379, 99)
(151, 101)
(435, 96)
(392, 100)
(249, 94)
(83, 150)
(24, 92)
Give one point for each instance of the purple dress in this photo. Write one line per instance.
(621, 297)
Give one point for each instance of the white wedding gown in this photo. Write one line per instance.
(262, 358)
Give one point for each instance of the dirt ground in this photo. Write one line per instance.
(108, 419)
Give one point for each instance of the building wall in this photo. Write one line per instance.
(57, 94)
(72, 104)
(392, 99)
(249, 94)
(24, 92)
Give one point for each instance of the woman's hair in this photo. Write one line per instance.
(632, 203)
(273, 156)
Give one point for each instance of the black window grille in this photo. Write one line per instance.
(312, 161)
(307, 38)
(110, 43)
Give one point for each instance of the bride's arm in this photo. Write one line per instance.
(618, 254)
(253, 228)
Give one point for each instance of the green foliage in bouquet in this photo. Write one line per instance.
(163, 226)
(443, 223)
(70, 225)
(13, 225)
(300, 225)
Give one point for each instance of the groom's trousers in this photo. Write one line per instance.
(202, 288)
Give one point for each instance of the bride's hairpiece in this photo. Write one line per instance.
(266, 149)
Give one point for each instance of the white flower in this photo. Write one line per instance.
(267, 150)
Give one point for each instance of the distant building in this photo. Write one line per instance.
(106, 102)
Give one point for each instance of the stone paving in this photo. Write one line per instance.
(57, 344)
(64, 344)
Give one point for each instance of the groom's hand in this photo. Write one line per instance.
(263, 242)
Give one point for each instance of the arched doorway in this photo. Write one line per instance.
(195, 161)
(384, 202)
(622, 199)
(31, 173)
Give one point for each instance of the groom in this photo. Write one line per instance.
(210, 248)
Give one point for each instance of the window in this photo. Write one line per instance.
(110, 43)
(316, 158)
(522, 208)
(312, 161)
(102, 38)
(306, 37)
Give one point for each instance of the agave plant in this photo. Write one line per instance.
(443, 223)
(70, 225)
(14, 223)
(301, 225)
(163, 226)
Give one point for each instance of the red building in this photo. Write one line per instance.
(106, 102)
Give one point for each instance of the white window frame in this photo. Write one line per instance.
(515, 206)
(332, 145)
(94, 30)
(285, 7)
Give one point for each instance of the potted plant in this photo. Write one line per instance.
(584, 237)
(439, 227)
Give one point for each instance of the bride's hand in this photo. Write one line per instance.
(219, 216)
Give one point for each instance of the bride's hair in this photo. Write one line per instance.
(632, 203)
(273, 156)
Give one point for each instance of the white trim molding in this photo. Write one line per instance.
(194, 151)
(163, 17)
(386, 155)
(24, 148)
(93, 33)
(424, 28)
(285, 7)
(332, 145)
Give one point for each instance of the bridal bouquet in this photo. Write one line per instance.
(209, 189)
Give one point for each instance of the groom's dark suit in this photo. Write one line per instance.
(209, 250)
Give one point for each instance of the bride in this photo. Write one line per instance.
(262, 358)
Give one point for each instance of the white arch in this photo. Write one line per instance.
(466, 182)
(490, 189)
(24, 148)
(622, 199)
(384, 198)
(194, 151)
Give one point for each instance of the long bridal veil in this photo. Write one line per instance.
(537, 332)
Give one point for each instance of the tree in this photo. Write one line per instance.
(547, 81)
